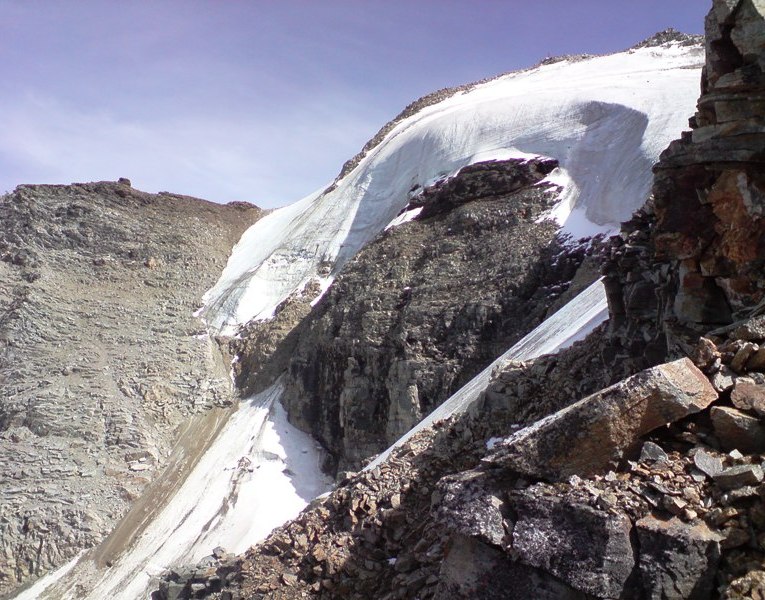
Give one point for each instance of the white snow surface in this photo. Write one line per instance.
(605, 119)
(260, 472)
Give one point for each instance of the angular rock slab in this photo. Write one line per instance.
(584, 438)
(473, 570)
(471, 504)
(677, 560)
(586, 548)
(737, 430)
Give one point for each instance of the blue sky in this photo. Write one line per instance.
(261, 100)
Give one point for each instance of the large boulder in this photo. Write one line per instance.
(585, 547)
(586, 437)
(677, 560)
(473, 570)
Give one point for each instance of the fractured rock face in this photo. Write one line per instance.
(677, 559)
(587, 548)
(472, 570)
(701, 239)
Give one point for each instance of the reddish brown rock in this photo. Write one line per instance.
(748, 395)
(587, 436)
(736, 430)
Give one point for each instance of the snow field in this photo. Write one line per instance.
(605, 119)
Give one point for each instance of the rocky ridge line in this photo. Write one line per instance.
(666, 505)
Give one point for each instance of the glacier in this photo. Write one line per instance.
(605, 119)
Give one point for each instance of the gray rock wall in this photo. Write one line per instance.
(100, 356)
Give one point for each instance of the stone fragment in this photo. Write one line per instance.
(472, 570)
(723, 379)
(748, 395)
(677, 560)
(757, 361)
(752, 330)
(751, 586)
(740, 476)
(586, 548)
(585, 437)
(470, 504)
(707, 463)
(736, 455)
(748, 491)
(652, 453)
(742, 356)
(705, 355)
(673, 505)
(175, 591)
(734, 537)
(737, 430)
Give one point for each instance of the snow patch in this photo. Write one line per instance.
(404, 217)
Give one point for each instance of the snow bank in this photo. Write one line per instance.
(606, 119)
(260, 472)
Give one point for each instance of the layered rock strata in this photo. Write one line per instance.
(100, 356)
(693, 258)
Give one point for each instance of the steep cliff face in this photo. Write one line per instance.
(100, 356)
(693, 258)
(424, 308)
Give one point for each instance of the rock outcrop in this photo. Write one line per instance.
(594, 433)
(420, 310)
(100, 356)
(693, 257)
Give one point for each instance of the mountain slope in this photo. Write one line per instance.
(100, 356)
(649, 488)
(605, 119)
(602, 120)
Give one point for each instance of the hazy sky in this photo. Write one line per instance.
(261, 100)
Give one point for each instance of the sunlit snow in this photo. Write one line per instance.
(605, 119)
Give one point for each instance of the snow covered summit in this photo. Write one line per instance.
(605, 119)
